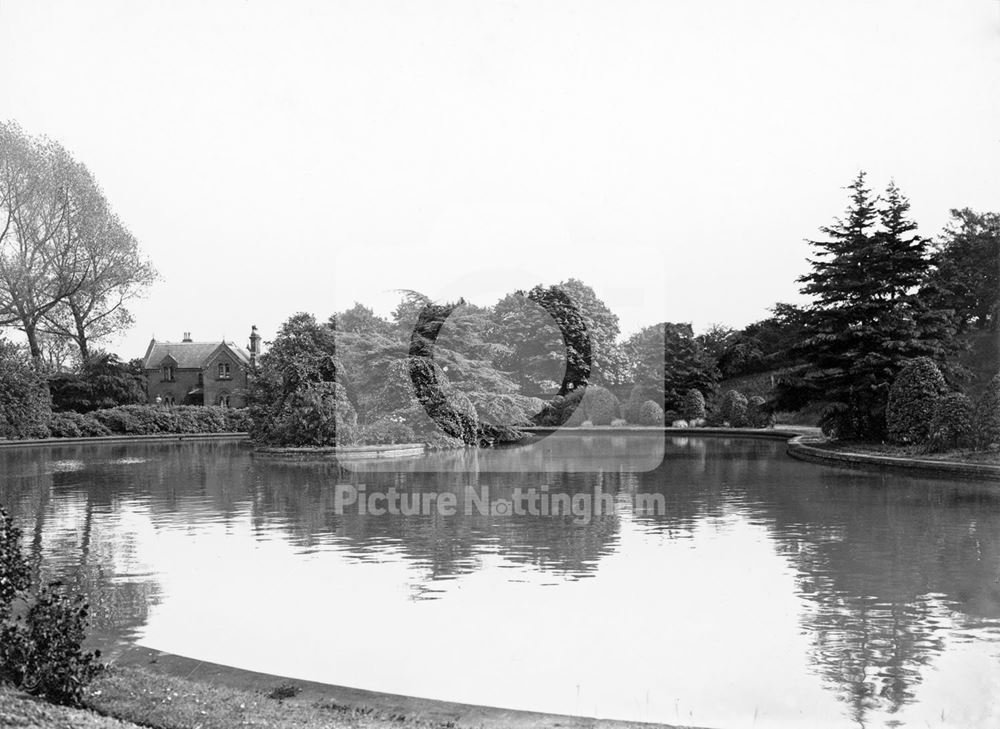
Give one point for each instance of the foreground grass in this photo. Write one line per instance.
(915, 451)
(168, 702)
(130, 698)
(20, 711)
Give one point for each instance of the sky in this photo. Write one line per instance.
(275, 157)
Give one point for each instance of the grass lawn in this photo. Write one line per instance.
(168, 702)
(913, 451)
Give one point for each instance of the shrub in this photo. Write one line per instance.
(40, 648)
(733, 409)
(651, 413)
(636, 397)
(619, 422)
(387, 431)
(912, 397)
(237, 420)
(951, 425)
(758, 413)
(693, 405)
(41, 651)
(24, 396)
(14, 572)
(987, 415)
(117, 421)
(75, 425)
(601, 404)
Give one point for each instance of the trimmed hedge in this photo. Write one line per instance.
(733, 409)
(650, 413)
(182, 419)
(76, 425)
(951, 425)
(601, 404)
(912, 398)
(758, 413)
(693, 405)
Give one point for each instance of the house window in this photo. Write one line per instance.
(224, 371)
(223, 400)
(168, 373)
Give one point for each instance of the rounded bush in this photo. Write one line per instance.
(951, 424)
(636, 397)
(733, 409)
(651, 413)
(601, 405)
(758, 414)
(912, 398)
(987, 416)
(693, 405)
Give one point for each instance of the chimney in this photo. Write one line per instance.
(254, 344)
(187, 337)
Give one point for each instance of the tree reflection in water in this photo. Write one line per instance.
(889, 569)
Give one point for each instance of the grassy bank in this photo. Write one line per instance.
(914, 451)
(161, 701)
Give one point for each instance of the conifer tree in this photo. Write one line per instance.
(865, 322)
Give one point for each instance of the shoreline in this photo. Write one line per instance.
(227, 693)
(805, 443)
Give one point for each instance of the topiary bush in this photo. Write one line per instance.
(912, 398)
(636, 397)
(601, 404)
(693, 405)
(951, 424)
(651, 413)
(759, 415)
(733, 409)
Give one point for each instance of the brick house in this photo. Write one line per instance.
(199, 373)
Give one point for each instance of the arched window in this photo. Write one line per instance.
(224, 371)
(223, 399)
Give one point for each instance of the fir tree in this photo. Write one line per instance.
(865, 322)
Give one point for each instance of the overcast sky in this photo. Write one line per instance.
(282, 156)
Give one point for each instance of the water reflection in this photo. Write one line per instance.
(768, 592)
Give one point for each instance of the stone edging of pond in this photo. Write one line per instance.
(157, 438)
(394, 709)
(805, 448)
(352, 453)
(803, 444)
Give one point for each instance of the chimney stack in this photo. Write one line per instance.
(187, 337)
(254, 344)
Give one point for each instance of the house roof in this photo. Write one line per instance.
(189, 355)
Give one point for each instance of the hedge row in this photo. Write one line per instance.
(148, 420)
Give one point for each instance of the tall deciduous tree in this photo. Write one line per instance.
(68, 265)
(114, 273)
(39, 264)
(864, 323)
(966, 276)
